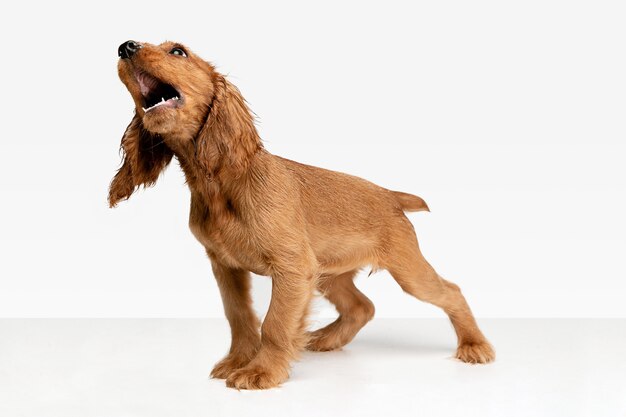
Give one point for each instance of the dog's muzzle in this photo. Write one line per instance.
(128, 49)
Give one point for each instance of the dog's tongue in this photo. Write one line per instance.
(146, 83)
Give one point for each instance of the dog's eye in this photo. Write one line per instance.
(178, 51)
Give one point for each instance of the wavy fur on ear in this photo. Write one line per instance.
(145, 157)
(229, 138)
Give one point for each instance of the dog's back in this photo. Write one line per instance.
(338, 194)
(349, 219)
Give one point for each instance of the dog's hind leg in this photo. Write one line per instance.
(405, 263)
(354, 309)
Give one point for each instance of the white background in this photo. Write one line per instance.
(507, 117)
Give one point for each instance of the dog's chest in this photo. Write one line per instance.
(224, 237)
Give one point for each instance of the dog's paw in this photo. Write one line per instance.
(255, 377)
(228, 365)
(476, 353)
(322, 341)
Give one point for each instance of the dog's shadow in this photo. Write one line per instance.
(402, 338)
(396, 344)
(376, 353)
(395, 340)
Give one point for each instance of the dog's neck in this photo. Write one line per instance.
(212, 167)
(224, 148)
(220, 168)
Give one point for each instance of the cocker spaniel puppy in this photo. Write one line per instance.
(307, 228)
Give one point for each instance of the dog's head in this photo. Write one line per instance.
(172, 88)
(181, 103)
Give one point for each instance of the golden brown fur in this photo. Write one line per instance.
(307, 228)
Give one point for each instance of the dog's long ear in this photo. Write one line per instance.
(145, 156)
(229, 138)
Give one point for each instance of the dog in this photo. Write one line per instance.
(307, 228)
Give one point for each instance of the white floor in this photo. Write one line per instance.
(154, 368)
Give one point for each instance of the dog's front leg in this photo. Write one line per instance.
(283, 332)
(234, 285)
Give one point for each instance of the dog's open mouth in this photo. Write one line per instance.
(155, 93)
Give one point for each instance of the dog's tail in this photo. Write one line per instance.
(410, 202)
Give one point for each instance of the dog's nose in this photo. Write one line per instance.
(128, 49)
